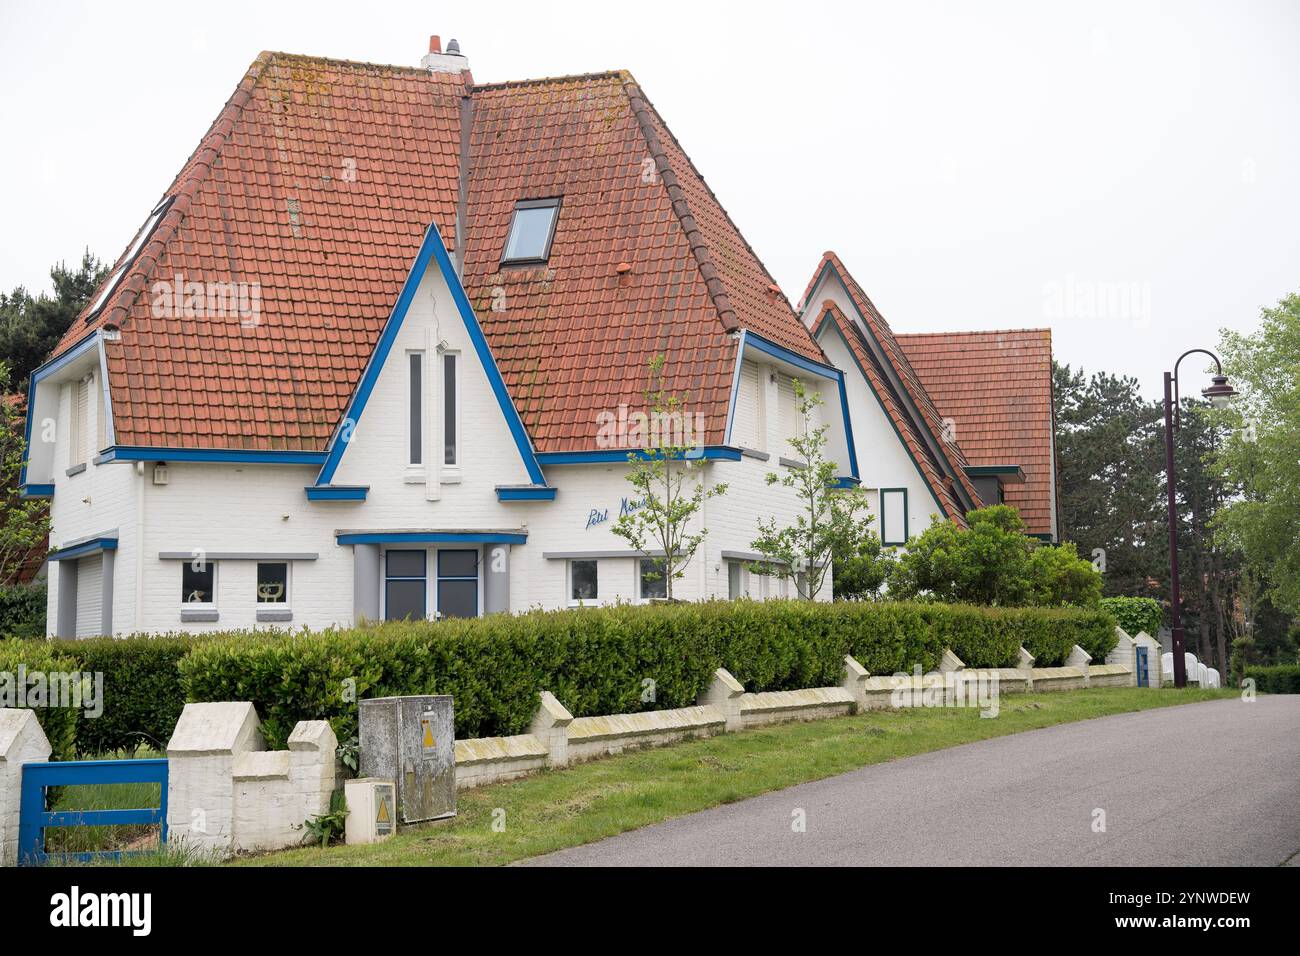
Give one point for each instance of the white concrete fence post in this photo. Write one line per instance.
(21, 741)
(949, 662)
(855, 682)
(312, 772)
(1080, 658)
(725, 692)
(551, 726)
(201, 772)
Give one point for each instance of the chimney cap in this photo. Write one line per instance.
(435, 44)
(453, 47)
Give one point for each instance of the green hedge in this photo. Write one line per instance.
(41, 657)
(1136, 614)
(1279, 679)
(22, 610)
(143, 696)
(598, 660)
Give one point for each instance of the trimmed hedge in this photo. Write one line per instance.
(598, 660)
(59, 723)
(22, 610)
(1136, 614)
(1279, 679)
(143, 696)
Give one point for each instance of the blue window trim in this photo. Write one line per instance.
(36, 491)
(80, 550)
(422, 577)
(56, 364)
(337, 492)
(830, 322)
(752, 340)
(607, 455)
(525, 493)
(432, 248)
(845, 481)
(906, 517)
(242, 456)
(432, 537)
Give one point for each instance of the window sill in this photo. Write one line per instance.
(274, 615)
(791, 463)
(414, 475)
(199, 615)
(76, 469)
(450, 474)
(754, 453)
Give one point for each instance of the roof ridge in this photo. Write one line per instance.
(681, 208)
(181, 191)
(336, 61)
(623, 75)
(900, 335)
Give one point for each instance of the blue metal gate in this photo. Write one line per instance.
(1140, 660)
(34, 819)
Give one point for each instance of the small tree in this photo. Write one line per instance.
(24, 522)
(668, 475)
(862, 572)
(831, 520)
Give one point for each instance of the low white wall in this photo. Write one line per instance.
(227, 793)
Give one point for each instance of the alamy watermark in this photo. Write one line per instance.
(975, 688)
(655, 429)
(79, 690)
(1090, 300)
(182, 299)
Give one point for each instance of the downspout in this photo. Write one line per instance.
(138, 615)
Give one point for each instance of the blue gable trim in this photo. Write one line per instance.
(608, 455)
(432, 537)
(525, 493)
(234, 455)
(431, 249)
(92, 546)
(56, 364)
(337, 492)
(752, 340)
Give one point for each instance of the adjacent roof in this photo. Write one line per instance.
(315, 186)
(997, 387)
(940, 485)
(927, 421)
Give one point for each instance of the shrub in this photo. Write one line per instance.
(1278, 679)
(142, 690)
(41, 657)
(1136, 614)
(22, 610)
(607, 660)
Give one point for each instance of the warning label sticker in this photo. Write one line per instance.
(427, 739)
(384, 811)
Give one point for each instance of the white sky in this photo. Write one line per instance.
(1125, 173)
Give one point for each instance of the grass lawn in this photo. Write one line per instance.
(564, 808)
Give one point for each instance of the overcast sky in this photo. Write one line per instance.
(1125, 173)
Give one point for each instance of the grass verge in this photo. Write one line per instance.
(558, 809)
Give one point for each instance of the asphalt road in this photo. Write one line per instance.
(1215, 783)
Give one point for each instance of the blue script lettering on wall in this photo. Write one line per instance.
(627, 507)
(597, 516)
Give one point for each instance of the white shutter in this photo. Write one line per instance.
(745, 428)
(90, 595)
(77, 431)
(789, 421)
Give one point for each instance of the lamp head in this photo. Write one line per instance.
(1220, 393)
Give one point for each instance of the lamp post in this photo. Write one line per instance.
(1220, 394)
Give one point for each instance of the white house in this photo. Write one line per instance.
(380, 349)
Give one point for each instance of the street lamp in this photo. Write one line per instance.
(1220, 394)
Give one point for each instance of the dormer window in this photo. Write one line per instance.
(531, 232)
(113, 281)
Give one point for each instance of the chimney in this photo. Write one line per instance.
(435, 61)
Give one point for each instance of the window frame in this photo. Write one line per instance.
(884, 540)
(640, 580)
(281, 605)
(386, 578)
(568, 582)
(451, 410)
(200, 605)
(415, 404)
(550, 202)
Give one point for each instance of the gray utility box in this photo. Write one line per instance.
(411, 741)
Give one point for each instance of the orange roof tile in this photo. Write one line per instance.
(317, 182)
(997, 387)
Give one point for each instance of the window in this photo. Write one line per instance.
(404, 587)
(416, 418)
(199, 582)
(101, 419)
(583, 580)
(893, 516)
(449, 409)
(653, 583)
(531, 231)
(735, 583)
(457, 583)
(272, 582)
(111, 284)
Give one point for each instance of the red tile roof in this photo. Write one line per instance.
(940, 485)
(915, 391)
(317, 182)
(997, 387)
